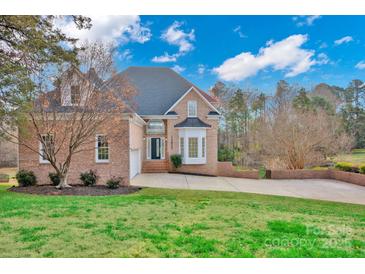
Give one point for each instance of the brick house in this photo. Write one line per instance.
(169, 116)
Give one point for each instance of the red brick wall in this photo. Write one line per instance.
(300, 174)
(226, 169)
(349, 177)
(84, 161)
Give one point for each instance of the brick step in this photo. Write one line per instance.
(155, 166)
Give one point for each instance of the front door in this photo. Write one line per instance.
(155, 148)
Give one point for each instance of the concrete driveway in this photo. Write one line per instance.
(319, 189)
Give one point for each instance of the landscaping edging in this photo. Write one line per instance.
(75, 190)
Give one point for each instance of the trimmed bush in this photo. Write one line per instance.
(226, 154)
(89, 178)
(362, 169)
(26, 178)
(114, 182)
(344, 166)
(55, 179)
(176, 160)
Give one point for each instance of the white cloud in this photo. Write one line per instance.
(239, 32)
(201, 69)
(166, 58)
(305, 20)
(125, 55)
(345, 39)
(284, 55)
(360, 65)
(178, 69)
(110, 28)
(322, 59)
(175, 36)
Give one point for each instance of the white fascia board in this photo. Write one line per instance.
(139, 118)
(187, 92)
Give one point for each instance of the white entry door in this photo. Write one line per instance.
(135, 162)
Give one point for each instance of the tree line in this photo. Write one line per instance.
(294, 128)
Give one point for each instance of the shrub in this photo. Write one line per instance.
(26, 178)
(114, 182)
(344, 166)
(226, 154)
(89, 178)
(262, 172)
(55, 179)
(362, 169)
(176, 160)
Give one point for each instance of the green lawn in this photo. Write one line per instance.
(356, 157)
(174, 223)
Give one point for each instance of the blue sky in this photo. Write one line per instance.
(250, 51)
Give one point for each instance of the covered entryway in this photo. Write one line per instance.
(134, 162)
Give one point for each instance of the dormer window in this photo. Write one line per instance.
(75, 95)
(192, 109)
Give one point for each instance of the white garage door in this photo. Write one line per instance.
(135, 162)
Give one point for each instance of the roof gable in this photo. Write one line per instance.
(200, 95)
(158, 88)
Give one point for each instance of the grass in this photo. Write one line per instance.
(356, 157)
(178, 223)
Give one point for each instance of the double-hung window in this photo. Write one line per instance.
(203, 147)
(75, 95)
(192, 109)
(193, 147)
(102, 149)
(46, 146)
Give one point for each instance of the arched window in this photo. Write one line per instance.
(155, 127)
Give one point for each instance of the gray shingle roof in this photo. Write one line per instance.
(158, 88)
(192, 122)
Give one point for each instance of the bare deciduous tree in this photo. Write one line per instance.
(65, 120)
(292, 139)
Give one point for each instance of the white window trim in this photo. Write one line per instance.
(195, 103)
(41, 160)
(96, 151)
(162, 148)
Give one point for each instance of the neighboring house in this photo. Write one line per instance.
(8, 153)
(169, 116)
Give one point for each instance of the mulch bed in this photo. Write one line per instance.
(77, 190)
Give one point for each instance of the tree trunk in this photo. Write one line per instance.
(63, 182)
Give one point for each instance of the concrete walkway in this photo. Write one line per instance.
(319, 189)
